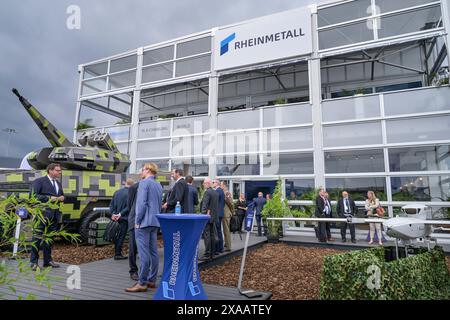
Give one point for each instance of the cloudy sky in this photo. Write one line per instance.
(39, 55)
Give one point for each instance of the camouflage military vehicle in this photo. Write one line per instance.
(92, 171)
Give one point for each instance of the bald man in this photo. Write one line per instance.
(209, 206)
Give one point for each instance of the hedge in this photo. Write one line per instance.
(351, 276)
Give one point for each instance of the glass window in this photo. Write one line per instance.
(349, 109)
(292, 163)
(417, 101)
(154, 129)
(193, 47)
(238, 120)
(119, 133)
(421, 188)
(287, 139)
(196, 167)
(158, 55)
(341, 36)
(155, 148)
(430, 158)
(95, 70)
(163, 165)
(124, 63)
(352, 134)
(418, 129)
(123, 148)
(156, 73)
(389, 5)
(93, 86)
(403, 23)
(194, 125)
(397, 87)
(287, 116)
(300, 189)
(238, 142)
(188, 146)
(356, 187)
(122, 80)
(344, 12)
(194, 65)
(243, 165)
(354, 161)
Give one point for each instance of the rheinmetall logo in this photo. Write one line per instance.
(260, 40)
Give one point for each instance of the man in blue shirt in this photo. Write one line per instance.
(148, 205)
(259, 202)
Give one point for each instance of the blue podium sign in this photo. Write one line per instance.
(181, 278)
(249, 217)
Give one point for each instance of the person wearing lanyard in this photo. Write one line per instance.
(346, 208)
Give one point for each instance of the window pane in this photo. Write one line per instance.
(122, 80)
(124, 63)
(354, 161)
(238, 120)
(246, 165)
(163, 165)
(93, 86)
(352, 134)
(356, 187)
(123, 148)
(191, 66)
(297, 163)
(154, 129)
(344, 12)
(287, 139)
(349, 109)
(190, 125)
(417, 101)
(421, 188)
(196, 167)
(433, 158)
(158, 55)
(409, 22)
(119, 133)
(188, 146)
(238, 142)
(421, 129)
(300, 189)
(287, 116)
(190, 48)
(156, 148)
(160, 72)
(95, 70)
(389, 5)
(341, 36)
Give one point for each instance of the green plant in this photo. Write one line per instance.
(123, 121)
(277, 207)
(359, 91)
(280, 101)
(10, 273)
(87, 124)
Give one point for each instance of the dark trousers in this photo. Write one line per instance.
(258, 222)
(210, 241)
(241, 221)
(344, 231)
(324, 231)
(219, 244)
(123, 223)
(52, 225)
(132, 252)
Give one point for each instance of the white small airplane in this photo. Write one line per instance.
(414, 224)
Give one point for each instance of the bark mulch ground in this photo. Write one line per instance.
(289, 272)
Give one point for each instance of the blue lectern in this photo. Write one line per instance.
(181, 278)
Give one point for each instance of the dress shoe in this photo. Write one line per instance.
(353, 241)
(344, 240)
(120, 257)
(151, 285)
(51, 264)
(134, 276)
(34, 266)
(227, 250)
(330, 239)
(137, 288)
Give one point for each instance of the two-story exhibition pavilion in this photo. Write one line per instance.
(348, 95)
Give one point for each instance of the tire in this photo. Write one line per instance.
(89, 217)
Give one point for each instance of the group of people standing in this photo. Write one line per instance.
(345, 208)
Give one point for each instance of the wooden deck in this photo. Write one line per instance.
(107, 279)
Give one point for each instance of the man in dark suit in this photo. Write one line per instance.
(346, 208)
(119, 210)
(259, 202)
(323, 210)
(179, 193)
(192, 195)
(132, 246)
(209, 206)
(47, 189)
(220, 214)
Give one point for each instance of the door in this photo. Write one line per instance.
(253, 187)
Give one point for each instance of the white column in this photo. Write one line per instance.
(213, 102)
(78, 108)
(315, 89)
(134, 126)
(446, 19)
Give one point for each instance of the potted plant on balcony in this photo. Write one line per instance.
(277, 207)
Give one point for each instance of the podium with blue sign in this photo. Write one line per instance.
(181, 279)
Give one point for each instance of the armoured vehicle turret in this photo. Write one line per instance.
(93, 170)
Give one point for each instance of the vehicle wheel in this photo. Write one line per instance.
(89, 217)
